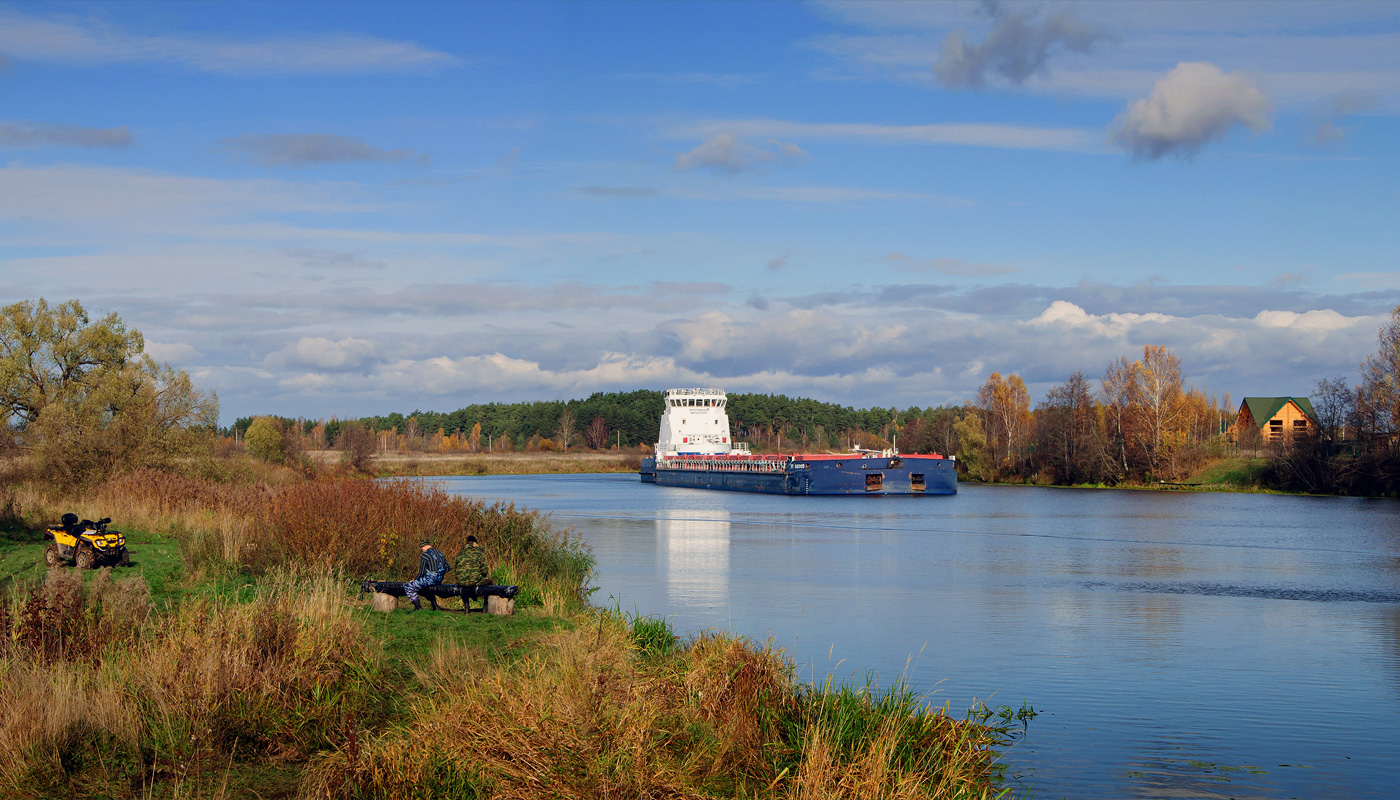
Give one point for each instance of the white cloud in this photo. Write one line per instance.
(1012, 137)
(308, 149)
(49, 134)
(151, 201)
(72, 40)
(509, 376)
(723, 151)
(172, 352)
(1114, 326)
(1016, 48)
(1191, 106)
(1316, 321)
(325, 354)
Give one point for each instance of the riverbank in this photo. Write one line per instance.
(391, 465)
(235, 657)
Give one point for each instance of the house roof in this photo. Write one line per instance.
(1263, 409)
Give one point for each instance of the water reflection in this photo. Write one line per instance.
(692, 555)
(1178, 645)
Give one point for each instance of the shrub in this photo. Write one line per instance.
(264, 440)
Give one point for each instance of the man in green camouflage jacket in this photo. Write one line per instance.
(471, 569)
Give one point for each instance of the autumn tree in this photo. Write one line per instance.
(596, 434)
(565, 430)
(1334, 403)
(474, 440)
(265, 440)
(1006, 418)
(1380, 375)
(1119, 391)
(1067, 430)
(1159, 395)
(357, 443)
(972, 446)
(89, 401)
(57, 354)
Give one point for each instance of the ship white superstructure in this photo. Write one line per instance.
(695, 422)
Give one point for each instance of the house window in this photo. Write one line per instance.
(1300, 423)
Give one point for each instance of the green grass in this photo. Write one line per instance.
(1241, 473)
(410, 637)
(155, 556)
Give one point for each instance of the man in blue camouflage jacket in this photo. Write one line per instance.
(432, 566)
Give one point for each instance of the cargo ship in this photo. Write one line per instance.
(697, 450)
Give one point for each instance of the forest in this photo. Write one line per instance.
(1135, 423)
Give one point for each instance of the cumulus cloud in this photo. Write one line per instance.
(447, 345)
(1064, 314)
(47, 134)
(725, 152)
(310, 149)
(1191, 106)
(1016, 49)
(72, 40)
(320, 353)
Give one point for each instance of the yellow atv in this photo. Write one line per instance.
(86, 543)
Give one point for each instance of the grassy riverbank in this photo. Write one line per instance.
(512, 463)
(235, 658)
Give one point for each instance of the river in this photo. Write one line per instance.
(1175, 644)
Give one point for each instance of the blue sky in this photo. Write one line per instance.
(342, 209)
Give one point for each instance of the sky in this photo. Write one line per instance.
(344, 209)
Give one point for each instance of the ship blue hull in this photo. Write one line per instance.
(853, 476)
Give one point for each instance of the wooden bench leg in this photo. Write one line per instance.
(500, 606)
(384, 602)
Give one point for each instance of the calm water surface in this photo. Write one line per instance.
(1176, 645)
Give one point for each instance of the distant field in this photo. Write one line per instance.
(494, 463)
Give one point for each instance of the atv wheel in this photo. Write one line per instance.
(126, 558)
(85, 557)
(51, 556)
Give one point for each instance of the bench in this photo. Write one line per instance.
(500, 600)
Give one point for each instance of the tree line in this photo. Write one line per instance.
(1356, 447)
(602, 420)
(82, 396)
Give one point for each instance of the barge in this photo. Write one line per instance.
(695, 449)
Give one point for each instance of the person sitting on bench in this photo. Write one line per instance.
(432, 566)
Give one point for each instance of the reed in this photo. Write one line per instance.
(268, 665)
(599, 712)
(365, 528)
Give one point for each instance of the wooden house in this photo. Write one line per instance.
(1263, 420)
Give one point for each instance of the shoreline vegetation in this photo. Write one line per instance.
(1230, 474)
(236, 658)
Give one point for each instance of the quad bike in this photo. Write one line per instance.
(86, 543)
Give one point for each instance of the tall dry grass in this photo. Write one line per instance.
(373, 528)
(593, 713)
(365, 528)
(106, 694)
(276, 678)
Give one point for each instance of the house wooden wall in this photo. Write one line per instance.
(1285, 422)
